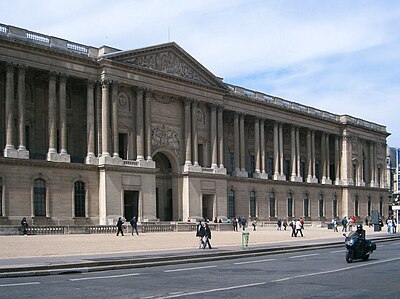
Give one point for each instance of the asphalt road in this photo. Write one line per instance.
(304, 274)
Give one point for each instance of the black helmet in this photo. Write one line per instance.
(359, 226)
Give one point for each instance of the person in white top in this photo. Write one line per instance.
(299, 228)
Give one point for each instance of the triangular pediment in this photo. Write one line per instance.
(169, 59)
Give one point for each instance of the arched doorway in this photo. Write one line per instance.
(164, 188)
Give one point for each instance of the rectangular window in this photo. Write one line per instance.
(321, 208)
(379, 177)
(231, 204)
(356, 207)
(1, 197)
(231, 165)
(80, 195)
(287, 170)
(290, 206)
(334, 207)
(369, 206)
(303, 171)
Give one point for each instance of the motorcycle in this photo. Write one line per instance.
(358, 248)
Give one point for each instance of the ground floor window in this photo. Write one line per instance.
(39, 197)
(252, 204)
(272, 204)
(356, 206)
(79, 197)
(306, 204)
(231, 203)
(321, 206)
(290, 205)
(334, 206)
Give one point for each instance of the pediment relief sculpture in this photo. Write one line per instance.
(168, 62)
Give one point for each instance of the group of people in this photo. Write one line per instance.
(391, 225)
(241, 223)
(347, 224)
(203, 232)
(297, 227)
(120, 226)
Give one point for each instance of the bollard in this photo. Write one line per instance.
(245, 240)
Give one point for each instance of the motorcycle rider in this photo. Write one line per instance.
(360, 232)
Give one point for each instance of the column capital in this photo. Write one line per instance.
(63, 78)
(10, 67)
(22, 68)
(90, 83)
(52, 75)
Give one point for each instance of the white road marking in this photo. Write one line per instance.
(393, 244)
(251, 262)
(19, 284)
(336, 270)
(336, 251)
(215, 290)
(305, 255)
(188, 269)
(103, 277)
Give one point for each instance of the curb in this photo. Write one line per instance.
(134, 263)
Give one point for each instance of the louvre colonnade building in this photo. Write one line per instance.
(89, 134)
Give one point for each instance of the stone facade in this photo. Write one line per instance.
(91, 134)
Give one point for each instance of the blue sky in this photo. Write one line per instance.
(338, 56)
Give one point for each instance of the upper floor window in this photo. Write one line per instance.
(79, 199)
(231, 203)
(252, 204)
(380, 205)
(252, 165)
(39, 197)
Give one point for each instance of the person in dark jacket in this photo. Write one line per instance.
(200, 232)
(24, 226)
(119, 226)
(207, 236)
(133, 223)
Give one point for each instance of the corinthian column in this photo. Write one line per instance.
(328, 162)
(309, 160)
(115, 133)
(105, 117)
(98, 119)
(276, 151)
(242, 147)
(149, 148)
(281, 150)
(21, 107)
(298, 157)
(63, 118)
(371, 162)
(221, 136)
(194, 134)
(236, 143)
(214, 137)
(257, 143)
(52, 153)
(323, 158)
(139, 125)
(262, 140)
(90, 158)
(188, 137)
(10, 150)
(293, 153)
(337, 161)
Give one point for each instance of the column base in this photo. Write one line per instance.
(53, 157)
(240, 174)
(338, 182)
(221, 170)
(92, 160)
(361, 184)
(260, 175)
(146, 164)
(312, 180)
(347, 182)
(278, 177)
(23, 153)
(64, 157)
(373, 185)
(106, 160)
(295, 178)
(326, 181)
(10, 152)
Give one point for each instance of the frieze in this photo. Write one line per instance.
(167, 62)
(163, 137)
(163, 99)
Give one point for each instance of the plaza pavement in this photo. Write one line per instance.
(39, 254)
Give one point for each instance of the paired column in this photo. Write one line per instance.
(139, 125)
(188, 138)
(149, 147)
(276, 151)
(51, 155)
(10, 150)
(195, 134)
(282, 175)
(337, 161)
(309, 157)
(257, 144)
(220, 136)
(90, 158)
(63, 118)
(115, 133)
(242, 147)
(213, 137)
(236, 141)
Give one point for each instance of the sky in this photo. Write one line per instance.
(339, 56)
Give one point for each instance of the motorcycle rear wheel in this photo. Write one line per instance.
(349, 257)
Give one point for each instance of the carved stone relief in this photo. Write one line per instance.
(168, 62)
(163, 137)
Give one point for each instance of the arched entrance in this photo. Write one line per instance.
(164, 188)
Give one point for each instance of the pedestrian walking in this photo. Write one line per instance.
(235, 224)
(394, 223)
(200, 232)
(284, 224)
(133, 223)
(207, 236)
(335, 225)
(24, 226)
(120, 226)
(299, 228)
(292, 225)
(254, 224)
(244, 222)
(279, 224)
(344, 224)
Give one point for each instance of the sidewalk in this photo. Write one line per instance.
(35, 254)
